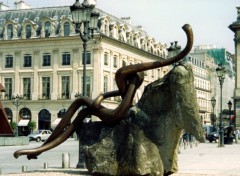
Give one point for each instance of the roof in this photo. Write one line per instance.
(36, 14)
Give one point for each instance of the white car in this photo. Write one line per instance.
(40, 135)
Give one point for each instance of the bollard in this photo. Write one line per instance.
(24, 168)
(65, 160)
(45, 165)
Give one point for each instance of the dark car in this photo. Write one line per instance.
(213, 136)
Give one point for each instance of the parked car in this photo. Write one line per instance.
(213, 136)
(40, 135)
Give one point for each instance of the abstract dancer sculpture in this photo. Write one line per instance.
(128, 79)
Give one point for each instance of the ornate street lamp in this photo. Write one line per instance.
(230, 107)
(221, 76)
(84, 15)
(17, 102)
(213, 102)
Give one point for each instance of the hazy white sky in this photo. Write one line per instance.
(163, 19)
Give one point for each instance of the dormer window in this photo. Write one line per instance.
(28, 31)
(66, 29)
(9, 31)
(47, 29)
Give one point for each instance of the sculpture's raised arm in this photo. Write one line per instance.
(124, 72)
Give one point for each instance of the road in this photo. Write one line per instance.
(8, 164)
(203, 160)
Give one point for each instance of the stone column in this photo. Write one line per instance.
(56, 59)
(36, 62)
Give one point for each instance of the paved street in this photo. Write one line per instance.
(209, 159)
(9, 164)
(203, 160)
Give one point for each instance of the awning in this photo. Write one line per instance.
(23, 122)
(56, 121)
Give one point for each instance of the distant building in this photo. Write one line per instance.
(235, 27)
(205, 60)
(41, 60)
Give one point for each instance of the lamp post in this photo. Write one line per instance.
(84, 15)
(17, 102)
(87, 15)
(221, 76)
(230, 107)
(213, 102)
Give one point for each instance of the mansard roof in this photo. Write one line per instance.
(57, 16)
(34, 15)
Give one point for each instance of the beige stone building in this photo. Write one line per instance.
(41, 60)
(235, 27)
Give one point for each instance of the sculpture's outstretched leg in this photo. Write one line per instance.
(32, 153)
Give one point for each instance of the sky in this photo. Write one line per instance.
(163, 19)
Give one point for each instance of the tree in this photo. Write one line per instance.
(32, 125)
(13, 125)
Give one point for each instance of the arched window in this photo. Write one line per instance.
(66, 28)
(61, 113)
(47, 29)
(10, 31)
(28, 31)
(9, 113)
(25, 113)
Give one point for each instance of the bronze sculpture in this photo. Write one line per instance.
(128, 80)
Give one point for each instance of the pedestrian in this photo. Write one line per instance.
(236, 135)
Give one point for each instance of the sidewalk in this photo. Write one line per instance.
(209, 159)
(203, 160)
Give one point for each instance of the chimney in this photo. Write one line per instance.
(20, 4)
(127, 20)
(3, 6)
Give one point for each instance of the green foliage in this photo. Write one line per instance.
(32, 125)
(13, 125)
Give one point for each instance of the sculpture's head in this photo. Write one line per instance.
(181, 82)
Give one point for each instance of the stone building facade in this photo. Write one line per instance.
(41, 60)
(206, 81)
(235, 27)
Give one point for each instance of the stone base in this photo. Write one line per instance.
(11, 141)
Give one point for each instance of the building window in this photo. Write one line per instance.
(27, 88)
(27, 61)
(66, 28)
(124, 63)
(88, 59)
(88, 86)
(106, 60)
(66, 59)
(9, 31)
(8, 88)
(65, 87)
(152, 73)
(115, 61)
(9, 61)
(47, 29)
(105, 84)
(46, 59)
(46, 88)
(28, 31)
